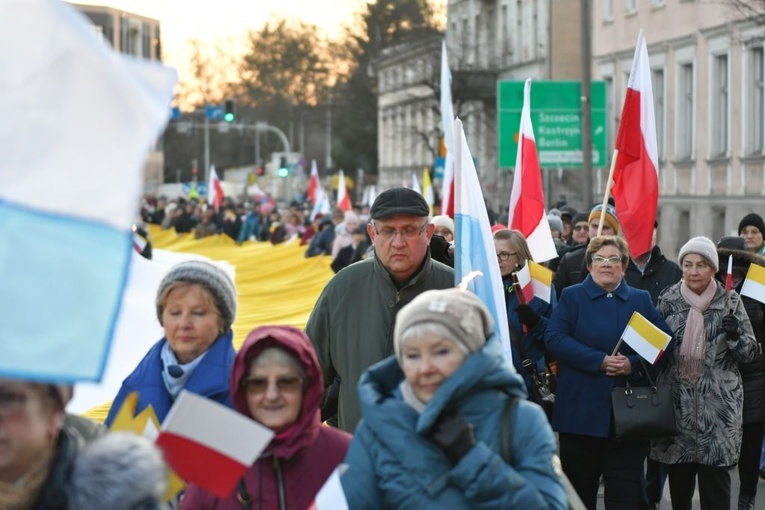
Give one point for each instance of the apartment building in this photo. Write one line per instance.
(708, 86)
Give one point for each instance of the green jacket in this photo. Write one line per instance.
(351, 326)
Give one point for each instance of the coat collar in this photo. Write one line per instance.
(593, 291)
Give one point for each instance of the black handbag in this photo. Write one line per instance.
(643, 412)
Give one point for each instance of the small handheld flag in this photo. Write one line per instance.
(754, 284)
(645, 338)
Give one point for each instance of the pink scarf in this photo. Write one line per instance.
(692, 350)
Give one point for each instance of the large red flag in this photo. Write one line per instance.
(636, 171)
(527, 200)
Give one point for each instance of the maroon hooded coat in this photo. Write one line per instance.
(299, 460)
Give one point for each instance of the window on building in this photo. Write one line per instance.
(685, 104)
(719, 105)
(477, 33)
(610, 113)
(464, 40)
(146, 40)
(507, 48)
(519, 36)
(657, 86)
(630, 6)
(608, 10)
(754, 102)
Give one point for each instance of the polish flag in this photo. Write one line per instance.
(343, 199)
(447, 126)
(208, 444)
(636, 170)
(214, 189)
(527, 200)
(313, 183)
(729, 275)
(535, 280)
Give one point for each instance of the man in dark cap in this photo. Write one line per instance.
(752, 229)
(351, 326)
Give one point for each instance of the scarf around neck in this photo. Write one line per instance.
(693, 349)
(410, 398)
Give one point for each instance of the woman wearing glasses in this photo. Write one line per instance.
(527, 321)
(582, 334)
(276, 381)
(714, 335)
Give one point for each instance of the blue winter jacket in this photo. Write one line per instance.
(210, 379)
(533, 339)
(393, 465)
(585, 327)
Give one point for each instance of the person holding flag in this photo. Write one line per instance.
(734, 249)
(527, 322)
(714, 336)
(584, 334)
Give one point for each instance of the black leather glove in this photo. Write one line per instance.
(730, 326)
(527, 315)
(454, 435)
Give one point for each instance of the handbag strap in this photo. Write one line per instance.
(645, 369)
(504, 429)
(517, 341)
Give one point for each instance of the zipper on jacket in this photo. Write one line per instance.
(280, 484)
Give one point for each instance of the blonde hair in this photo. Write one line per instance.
(517, 241)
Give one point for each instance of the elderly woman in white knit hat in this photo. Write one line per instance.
(713, 335)
(196, 305)
(446, 423)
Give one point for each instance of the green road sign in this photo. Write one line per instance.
(557, 121)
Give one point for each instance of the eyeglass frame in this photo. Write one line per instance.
(597, 260)
(283, 384)
(507, 255)
(390, 234)
(22, 398)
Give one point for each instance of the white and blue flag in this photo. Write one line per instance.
(78, 120)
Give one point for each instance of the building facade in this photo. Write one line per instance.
(709, 102)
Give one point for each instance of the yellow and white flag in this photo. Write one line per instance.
(541, 280)
(645, 338)
(754, 285)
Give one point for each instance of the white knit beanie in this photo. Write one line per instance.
(461, 312)
(700, 246)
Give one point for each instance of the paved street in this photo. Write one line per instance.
(667, 505)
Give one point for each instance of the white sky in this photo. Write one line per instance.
(227, 21)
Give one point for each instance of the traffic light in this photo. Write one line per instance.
(229, 110)
(283, 171)
(260, 171)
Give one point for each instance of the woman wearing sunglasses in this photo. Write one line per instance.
(276, 381)
(582, 333)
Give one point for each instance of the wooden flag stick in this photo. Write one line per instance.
(608, 192)
(616, 349)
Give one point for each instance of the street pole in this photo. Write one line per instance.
(257, 148)
(329, 133)
(586, 105)
(207, 148)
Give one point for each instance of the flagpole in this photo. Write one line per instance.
(608, 191)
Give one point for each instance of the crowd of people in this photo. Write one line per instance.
(409, 380)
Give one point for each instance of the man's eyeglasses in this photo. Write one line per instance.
(11, 402)
(505, 255)
(599, 261)
(259, 385)
(407, 233)
(582, 227)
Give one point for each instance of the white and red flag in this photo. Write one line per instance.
(447, 126)
(636, 169)
(214, 189)
(197, 450)
(343, 198)
(313, 183)
(729, 275)
(527, 200)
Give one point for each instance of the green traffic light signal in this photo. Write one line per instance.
(229, 110)
(283, 172)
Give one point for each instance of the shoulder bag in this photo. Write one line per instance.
(542, 385)
(643, 412)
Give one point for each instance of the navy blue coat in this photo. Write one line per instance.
(393, 465)
(585, 327)
(210, 379)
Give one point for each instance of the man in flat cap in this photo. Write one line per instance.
(351, 325)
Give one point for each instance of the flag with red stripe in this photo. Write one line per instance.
(527, 200)
(208, 444)
(214, 189)
(447, 127)
(313, 183)
(343, 198)
(636, 171)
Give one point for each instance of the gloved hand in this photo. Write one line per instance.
(454, 435)
(527, 315)
(730, 326)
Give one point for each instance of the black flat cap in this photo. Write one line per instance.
(394, 201)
